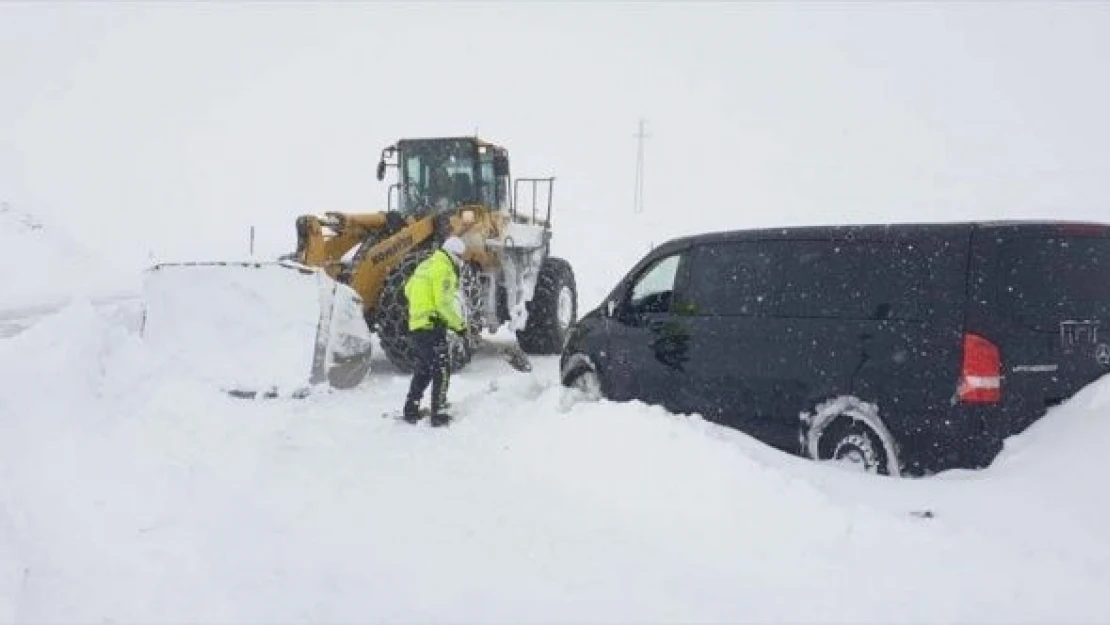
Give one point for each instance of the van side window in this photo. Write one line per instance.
(730, 278)
(864, 280)
(654, 289)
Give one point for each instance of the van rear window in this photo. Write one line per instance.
(1045, 280)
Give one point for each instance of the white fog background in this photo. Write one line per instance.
(166, 130)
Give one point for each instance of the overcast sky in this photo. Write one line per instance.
(139, 124)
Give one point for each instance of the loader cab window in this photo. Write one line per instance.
(438, 176)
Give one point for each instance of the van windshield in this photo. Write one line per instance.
(1051, 279)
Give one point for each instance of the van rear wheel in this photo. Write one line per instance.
(854, 445)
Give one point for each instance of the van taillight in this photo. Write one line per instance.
(981, 374)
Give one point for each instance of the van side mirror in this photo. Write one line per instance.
(500, 165)
(381, 169)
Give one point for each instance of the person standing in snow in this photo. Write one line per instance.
(433, 297)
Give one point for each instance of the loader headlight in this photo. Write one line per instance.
(468, 216)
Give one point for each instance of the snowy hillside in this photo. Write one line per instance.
(43, 267)
(40, 259)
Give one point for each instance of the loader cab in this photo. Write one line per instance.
(440, 175)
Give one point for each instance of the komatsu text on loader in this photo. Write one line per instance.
(306, 318)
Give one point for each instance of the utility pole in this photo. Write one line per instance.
(638, 199)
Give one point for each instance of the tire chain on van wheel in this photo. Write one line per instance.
(541, 334)
(844, 429)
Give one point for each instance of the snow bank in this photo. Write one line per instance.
(1052, 476)
(137, 494)
(42, 267)
(1070, 441)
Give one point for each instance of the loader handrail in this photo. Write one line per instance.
(535, 183)
(396, 186)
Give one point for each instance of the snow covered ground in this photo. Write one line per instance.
(131, 490)
(133, 494)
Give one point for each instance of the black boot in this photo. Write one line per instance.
(411, 412)
(440, 419)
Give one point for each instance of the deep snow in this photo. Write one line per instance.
(132, 490)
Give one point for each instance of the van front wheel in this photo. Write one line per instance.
(586, 383)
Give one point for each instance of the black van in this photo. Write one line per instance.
(906, 348)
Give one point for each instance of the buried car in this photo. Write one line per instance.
(901, 348)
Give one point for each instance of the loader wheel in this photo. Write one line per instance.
(392, 316)
(554, 307)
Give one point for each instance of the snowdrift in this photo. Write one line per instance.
(41, 264)
(130, 490)
(42, 269)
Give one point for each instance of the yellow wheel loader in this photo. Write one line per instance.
(311, 312)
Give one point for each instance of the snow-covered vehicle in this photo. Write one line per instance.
(900, 348)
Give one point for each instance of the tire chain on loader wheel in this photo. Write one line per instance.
(542, 334)
(392, 315)
(470, 285)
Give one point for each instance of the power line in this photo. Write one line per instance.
(638, 198)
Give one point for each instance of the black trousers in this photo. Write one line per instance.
(432, 367)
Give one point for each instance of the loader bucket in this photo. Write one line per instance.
(256, 328)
